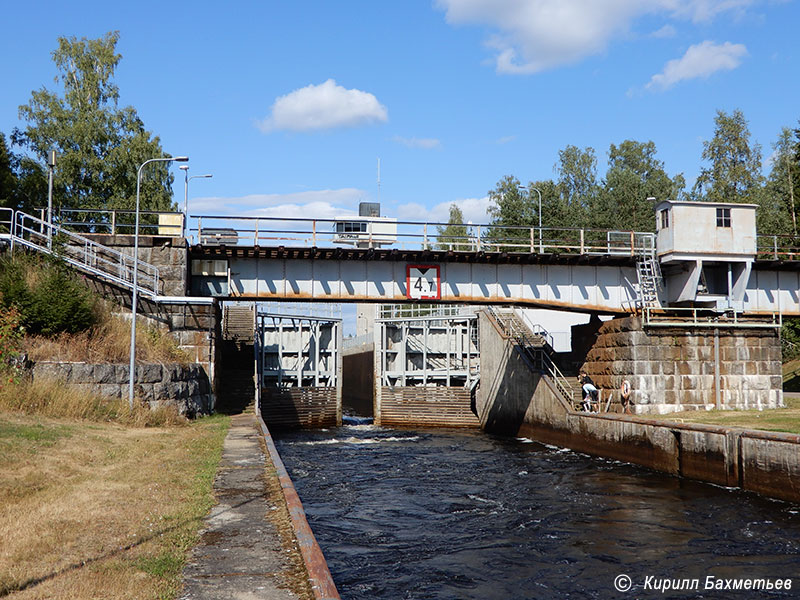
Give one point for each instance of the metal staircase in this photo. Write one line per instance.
(535, 348)
(82, 253)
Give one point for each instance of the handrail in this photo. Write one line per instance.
(705, 317)
(536, 354)
(83, 253)
(297, 231)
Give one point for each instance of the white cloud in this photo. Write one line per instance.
(317, 204)
(424, 143)
(531, 36)
(507, 139)
(473, 209)
(324, 106)
(667, 31)
(699, 61)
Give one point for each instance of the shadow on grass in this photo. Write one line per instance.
(13, 587)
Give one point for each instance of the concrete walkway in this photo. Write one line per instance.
(247, 550)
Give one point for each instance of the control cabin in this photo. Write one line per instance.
(706, 251)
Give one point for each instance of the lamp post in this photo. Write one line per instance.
(541, 246)
(51, 165)
(132, 362)
(185, 169)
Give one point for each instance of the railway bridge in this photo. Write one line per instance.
(704, 271)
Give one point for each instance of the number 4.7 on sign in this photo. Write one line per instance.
(422, 282)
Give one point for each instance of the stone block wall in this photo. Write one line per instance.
(674, 369)
(167, 253)
(187, 387)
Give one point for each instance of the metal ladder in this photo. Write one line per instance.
(648, 272)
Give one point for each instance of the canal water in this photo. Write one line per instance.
(453, 515)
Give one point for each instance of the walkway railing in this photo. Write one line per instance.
(535, 352)
(22, 229)
(415, 235)
(704, 317)
(118, 221)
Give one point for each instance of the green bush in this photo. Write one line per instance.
(49, 297)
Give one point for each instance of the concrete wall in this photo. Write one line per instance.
(187, 387)
(507, 381)
(513, 401)
(673, 369)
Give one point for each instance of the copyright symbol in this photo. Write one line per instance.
(622, 583)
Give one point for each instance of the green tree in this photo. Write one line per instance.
(634, 175)
(777, 212)
(48, 295)
(577, 183)
(454, 236)
(734, 172)
(8, 179)
(99, 145)
(23, 185)
(510, 207)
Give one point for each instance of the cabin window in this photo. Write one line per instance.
(664, 220)
(723, 217)
(351, 227)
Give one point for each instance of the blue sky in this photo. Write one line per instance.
(290, 104)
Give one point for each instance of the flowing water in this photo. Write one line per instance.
(465, 515)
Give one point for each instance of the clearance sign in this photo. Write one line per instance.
(422, 282)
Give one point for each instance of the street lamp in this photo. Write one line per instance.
(132, 363)
(51, 164)
(185, 169)
(541, 247)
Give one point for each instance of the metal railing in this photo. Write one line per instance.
(417, 235)
(118, 221)
(78, 251)
(706, 317)
(536, 353)
(423, 311)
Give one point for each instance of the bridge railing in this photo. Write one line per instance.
(704, 317)
(118, 221)
(417, 235)
(778, 247)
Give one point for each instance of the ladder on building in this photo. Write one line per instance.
(648, 272)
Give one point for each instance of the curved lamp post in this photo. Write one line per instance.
(187, 179)
(132, 363)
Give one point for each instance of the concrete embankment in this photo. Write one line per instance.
(517, 400)
(759, 461)
(252, 546)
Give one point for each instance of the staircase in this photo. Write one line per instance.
(239, 324)
(536, 348)
(82, 253)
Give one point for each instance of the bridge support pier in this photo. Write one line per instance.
(687, 367)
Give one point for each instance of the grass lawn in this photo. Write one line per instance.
(101, 510)
(779, 419)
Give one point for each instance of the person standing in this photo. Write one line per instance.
(625, 397)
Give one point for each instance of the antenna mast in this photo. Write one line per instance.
(379, 179)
